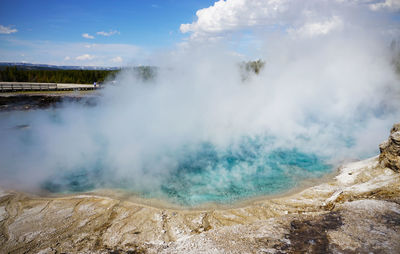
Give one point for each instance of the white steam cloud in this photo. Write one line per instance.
(334, 95)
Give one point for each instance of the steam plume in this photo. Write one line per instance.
(333, 95)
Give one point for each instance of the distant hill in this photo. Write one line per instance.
(30, 66)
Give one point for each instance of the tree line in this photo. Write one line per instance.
(144, 73)
(249, 68)
(13, 74)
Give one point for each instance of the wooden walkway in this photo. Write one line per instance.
(28, 86)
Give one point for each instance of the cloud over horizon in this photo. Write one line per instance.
(391, 5)
(117, 59)
(107, 34)
(7, 30)
(87, 36)
(84, 57)
(56, 53)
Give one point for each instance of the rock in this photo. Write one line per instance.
(396, 127)
(390, 150)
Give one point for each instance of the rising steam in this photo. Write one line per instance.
(333, 96)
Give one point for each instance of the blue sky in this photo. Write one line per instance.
(147, 24)
(117, 33)
(141, 22)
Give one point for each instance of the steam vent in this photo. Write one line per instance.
(357, 211)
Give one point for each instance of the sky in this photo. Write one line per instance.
(67, 32)
(117, 33)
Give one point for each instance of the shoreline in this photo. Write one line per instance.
(165, 230)
(357, 211)
(159, 203)
(50, 93)
(36, 100)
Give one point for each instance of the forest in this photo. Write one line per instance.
(145, 73)
(14, 74)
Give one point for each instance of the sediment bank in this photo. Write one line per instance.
(358, 211)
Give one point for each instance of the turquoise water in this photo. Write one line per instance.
(197, 173)
(206, 174)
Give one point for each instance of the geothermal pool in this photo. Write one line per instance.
(208, 175)
(195, 173)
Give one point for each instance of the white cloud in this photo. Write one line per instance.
(67, 58)
(391, 5)
(311, 29)
(87, 36)
(7, 30)
(234, 14)
(84, 57)
(107, 33)
(301, 18)
(117, 59)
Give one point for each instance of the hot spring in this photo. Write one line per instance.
(208, 175)
(200, 132)
(200, 173)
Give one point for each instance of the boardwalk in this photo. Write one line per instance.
(28, 86)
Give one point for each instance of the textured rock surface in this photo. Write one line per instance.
(356, 212)
(390, 150)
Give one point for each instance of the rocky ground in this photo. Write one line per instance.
(42, 100)
(357, 212)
